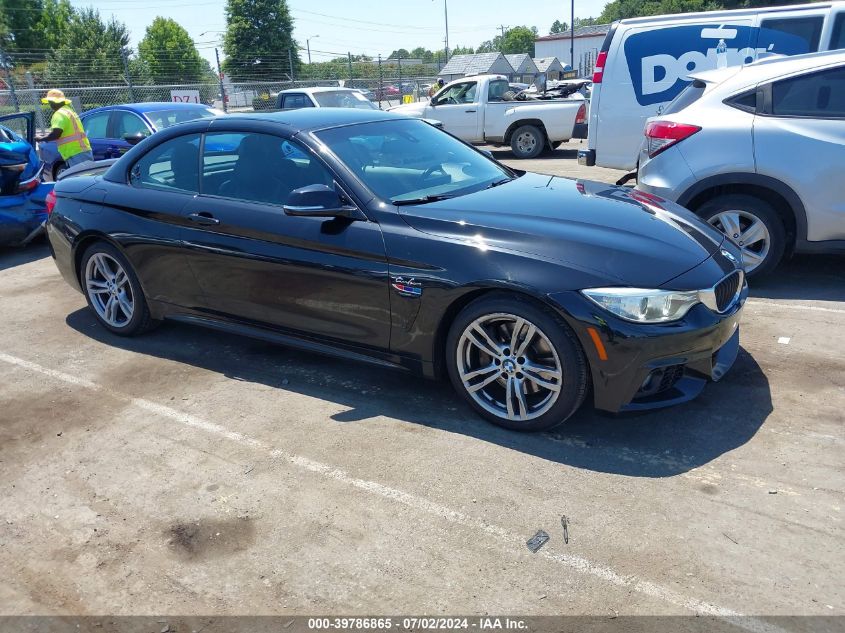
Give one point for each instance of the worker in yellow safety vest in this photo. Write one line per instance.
(67, 130)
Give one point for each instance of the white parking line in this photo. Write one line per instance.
(511, 541)
(790, 306)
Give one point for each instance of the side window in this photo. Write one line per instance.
(258, 167)
(96, 125)
(129, 123)
(808, 29)
(818, 95)
(459, 93)
(296, 101)
(172, 166)
(837, 38)
(496, 90)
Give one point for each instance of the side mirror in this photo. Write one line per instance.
(134, 139)
(320, 201)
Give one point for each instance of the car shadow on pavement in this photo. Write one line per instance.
(17, 256)
(807, 277)
(655, 444)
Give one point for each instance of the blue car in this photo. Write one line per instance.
(112, 130)
(23, 197)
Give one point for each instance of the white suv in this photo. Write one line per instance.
(759, 152)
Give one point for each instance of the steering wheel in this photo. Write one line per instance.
(453, 101)
(428, 173)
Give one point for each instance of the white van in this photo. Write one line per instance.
(644, 63)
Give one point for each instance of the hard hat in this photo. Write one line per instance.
(55, 96)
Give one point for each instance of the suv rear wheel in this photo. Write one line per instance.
(753, 225)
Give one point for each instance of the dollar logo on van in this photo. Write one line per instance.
(661, 60)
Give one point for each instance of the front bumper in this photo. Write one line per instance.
(650, 366)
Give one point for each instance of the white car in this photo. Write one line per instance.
(480, 110)
(645, 62)
(758, 151)
(323, 97)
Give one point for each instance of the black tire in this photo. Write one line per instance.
(573, 364)
(751, 207)
(522, 147)
(141, 320)
(58, 168)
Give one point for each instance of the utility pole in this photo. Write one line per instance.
(380, 82)
(502, 28)
(349, 57)
(220, 76)
(572, 38)
(290, 61)
(10, 81)
(128, 75)
(446, 17)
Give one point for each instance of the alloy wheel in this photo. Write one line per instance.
(509, 367)
(109, 290)
(748, 232)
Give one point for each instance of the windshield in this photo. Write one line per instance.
(343, 99)
(410, 160)
(165, 118)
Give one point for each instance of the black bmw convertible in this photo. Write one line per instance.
(375, 237)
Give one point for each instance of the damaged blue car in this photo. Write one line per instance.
(23, 197)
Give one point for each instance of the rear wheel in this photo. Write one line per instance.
(58, 169)
(113, 292)
(517, 364)
(753, 225)
(527, 141)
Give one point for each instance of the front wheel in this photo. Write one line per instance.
(753, 225)
(517, 364)
(527, 141)
(58, 169)
(113, 291)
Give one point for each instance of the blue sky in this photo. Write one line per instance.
(360, 26)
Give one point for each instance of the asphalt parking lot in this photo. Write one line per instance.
(190, 472)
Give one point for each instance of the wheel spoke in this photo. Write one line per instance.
(751, 259)
(96, 286)
(466, 377)
(754, 233)
(125, 305)
(483, 341)
(482, 384)
(518, 346)
(111, 310)
(519, 390)
(102, 267)
(730, 224)
(535, 374)
(121, 278)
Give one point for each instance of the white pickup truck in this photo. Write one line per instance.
(482, 110)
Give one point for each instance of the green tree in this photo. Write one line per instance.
(169, 55)
(558, 27)
(463, 50)
(19, 21)
(54, 22)
(90, 51)
(259, 40)
(400, 53)
(519, 39)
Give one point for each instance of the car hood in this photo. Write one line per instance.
(623, 236)
(410, 109)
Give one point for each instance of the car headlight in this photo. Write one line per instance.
(643, 305)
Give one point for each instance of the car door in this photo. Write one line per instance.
(96, 126)
(125, 123)
(323, 277)
(799, 138)
(459, 110)
(148, 218)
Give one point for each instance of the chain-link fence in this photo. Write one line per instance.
(232, 97)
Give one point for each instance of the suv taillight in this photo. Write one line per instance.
(581, 117)
(50, 202)
(662, 135)
(598, 70)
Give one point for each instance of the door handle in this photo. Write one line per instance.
(204, 218)
(469, 110)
